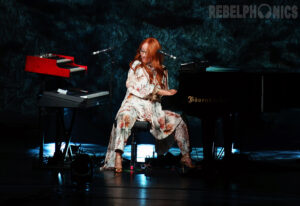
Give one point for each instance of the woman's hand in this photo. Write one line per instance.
(164, 92)
(172, 92)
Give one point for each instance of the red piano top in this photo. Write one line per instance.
(53, 64)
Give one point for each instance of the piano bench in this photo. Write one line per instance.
(139, 126)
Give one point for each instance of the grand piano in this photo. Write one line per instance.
(57, 94)
(209, 92)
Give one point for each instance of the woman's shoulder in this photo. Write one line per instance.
(135, 63)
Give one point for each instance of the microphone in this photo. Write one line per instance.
(102, 51)
(166, 54)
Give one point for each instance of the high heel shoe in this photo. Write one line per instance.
(118, 164)
(187, 161)
(118, 170)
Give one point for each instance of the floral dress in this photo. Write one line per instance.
(138, 105)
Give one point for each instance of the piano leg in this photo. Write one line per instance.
(209, 136)
(208, 131)
(228, 130)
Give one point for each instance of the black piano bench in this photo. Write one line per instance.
(139, 126)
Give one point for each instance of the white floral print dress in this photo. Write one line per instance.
(137, 105)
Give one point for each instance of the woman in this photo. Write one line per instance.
(147, 81)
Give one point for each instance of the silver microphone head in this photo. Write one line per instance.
(173, 57)
(169, 55)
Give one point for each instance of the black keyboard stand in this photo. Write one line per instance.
(62, 134)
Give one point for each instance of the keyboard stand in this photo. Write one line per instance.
(63, 134)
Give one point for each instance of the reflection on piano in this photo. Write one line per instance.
(214, 92)
(58, 97)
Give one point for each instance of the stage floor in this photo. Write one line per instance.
(244, 181)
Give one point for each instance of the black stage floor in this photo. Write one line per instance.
(239, 182)
(242, 181)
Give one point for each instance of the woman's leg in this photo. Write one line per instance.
(118, 161)
(109, 162)
(124, 123)
(181, 136)
(118, 138)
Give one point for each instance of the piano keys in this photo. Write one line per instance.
(53, 64)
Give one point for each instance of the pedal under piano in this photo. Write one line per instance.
(57, 94)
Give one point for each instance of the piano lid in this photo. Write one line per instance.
(53, 64)
(203, 66)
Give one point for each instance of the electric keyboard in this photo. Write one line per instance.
(72, 99)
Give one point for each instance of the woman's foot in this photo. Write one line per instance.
(118, 163)
(187, 161)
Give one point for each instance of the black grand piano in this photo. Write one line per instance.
(210, 92)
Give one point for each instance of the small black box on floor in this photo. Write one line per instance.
(82, 169)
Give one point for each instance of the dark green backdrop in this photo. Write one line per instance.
(78, 27)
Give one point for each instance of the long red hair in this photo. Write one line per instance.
(156, 59)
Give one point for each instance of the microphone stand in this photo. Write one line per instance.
(112, 62)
